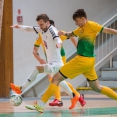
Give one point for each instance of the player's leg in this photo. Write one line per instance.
(31, 78)
(53, 68)
(63, 84)
(72, 69)
(40, 106)
(94, 84)
(57, 101)
(103, 89)
(81, 96)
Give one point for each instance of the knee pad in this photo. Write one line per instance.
(47, 69)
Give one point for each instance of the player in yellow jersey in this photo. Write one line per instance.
(57, 101)
(84, 62)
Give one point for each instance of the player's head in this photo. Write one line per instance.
(80, 17)
(52, 22)
(43, 21)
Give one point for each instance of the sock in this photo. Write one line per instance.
(57, 93)
(49, 92)
(66, 88)
(41, 103)
(50, 79)
(73, 90)
(109, 92)
(30, 79)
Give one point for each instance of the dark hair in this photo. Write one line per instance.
(52, 22)
(42, 16)
(79, 13)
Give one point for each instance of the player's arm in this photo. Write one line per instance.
(56, 38)
(36, 55)
(74, 41)
(26, 28)
(58, 45)
(68, 34)
(109, 30)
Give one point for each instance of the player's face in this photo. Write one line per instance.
(43, 25)
(80, 21)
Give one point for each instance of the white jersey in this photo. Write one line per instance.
(50, 38)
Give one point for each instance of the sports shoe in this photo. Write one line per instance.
(56, 103)
(36, 107)
(74, 101)
(15, 88)
(81, 100)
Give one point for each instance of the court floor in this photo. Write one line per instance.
(97, 106)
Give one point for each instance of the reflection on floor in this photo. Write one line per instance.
(97, 106)
(90, 112)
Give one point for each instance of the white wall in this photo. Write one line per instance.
(61, 12)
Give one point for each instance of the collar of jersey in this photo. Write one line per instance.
(47, 29)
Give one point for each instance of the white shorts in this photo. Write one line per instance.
(51, 68)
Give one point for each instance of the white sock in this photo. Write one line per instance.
(41, 103)
(30, 79)
(66, 88)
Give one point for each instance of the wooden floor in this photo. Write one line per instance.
(97, 106)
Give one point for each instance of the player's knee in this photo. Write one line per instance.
(40, 69)
(57, 78)
(47, 69)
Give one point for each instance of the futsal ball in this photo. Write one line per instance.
(15, 100)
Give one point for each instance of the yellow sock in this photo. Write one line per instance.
(57, 93)
(49, 92)
(50, 79)
(73, 90)
(109, 92)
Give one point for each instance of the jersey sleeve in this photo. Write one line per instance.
(55, 36)
(96, 27)
(30, 28)
(63, 38)
(38, 41)
(76, 32)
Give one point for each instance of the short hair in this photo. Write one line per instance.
(52, 22)
(79, 13)
(42, 16)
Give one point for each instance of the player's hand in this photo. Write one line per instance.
(58, 45)
(15, 26)
(42, 61)
(61, 33)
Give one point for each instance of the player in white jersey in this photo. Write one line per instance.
(54, 62)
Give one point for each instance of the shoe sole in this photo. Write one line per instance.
(29, 108)
(56, 105)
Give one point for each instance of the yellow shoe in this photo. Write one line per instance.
(36, 107)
